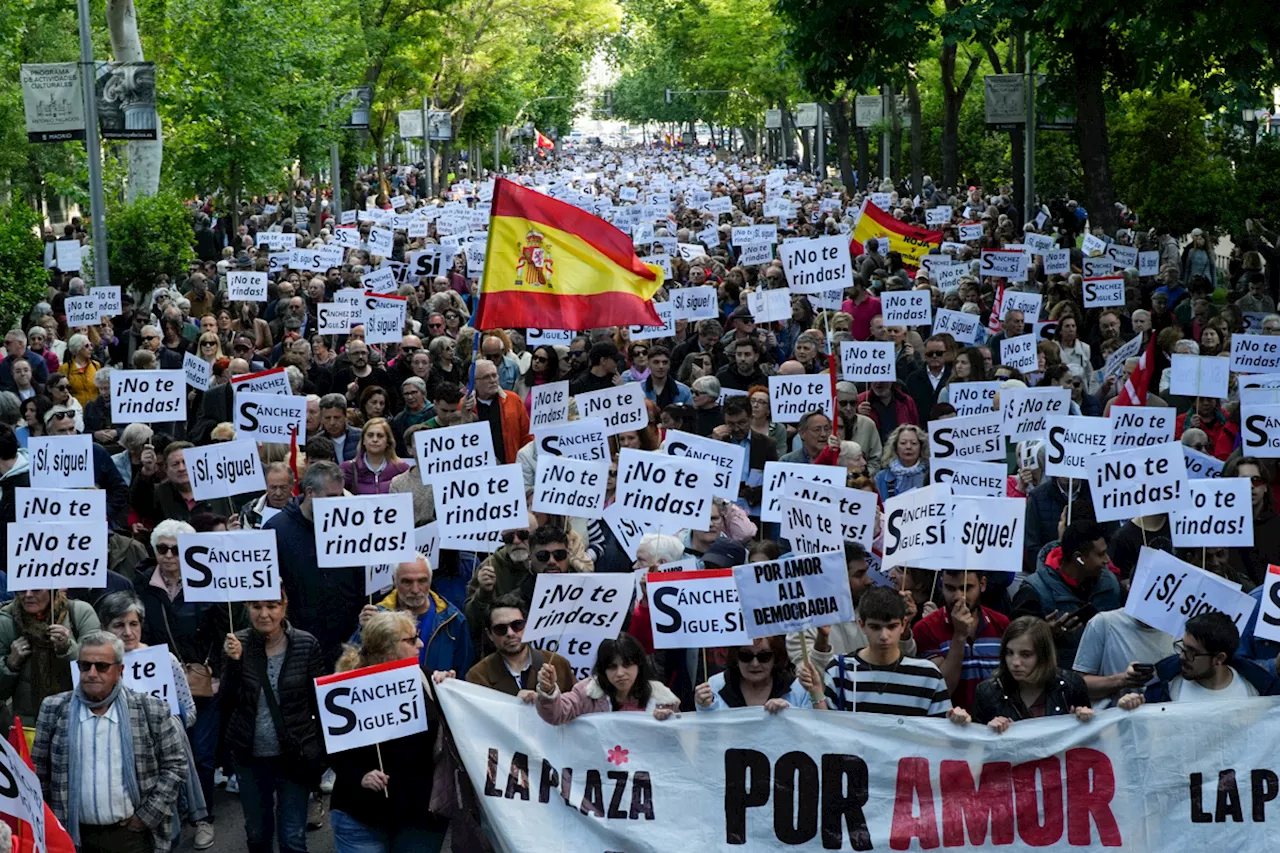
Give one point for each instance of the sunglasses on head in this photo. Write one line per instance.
(745, 656)
(501, 629)
(559, 555)
(512, 535)
(102, 666)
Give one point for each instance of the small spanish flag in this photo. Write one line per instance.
(543, 141)
(908, 240)
(550, 265)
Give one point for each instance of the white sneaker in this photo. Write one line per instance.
(218, 777)
(204, 835)
(326, 782)
(233, 784)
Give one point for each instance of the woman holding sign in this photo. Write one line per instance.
(761, 675)
(39, 631)
(622, 680)
(376, 460)
(382, 797)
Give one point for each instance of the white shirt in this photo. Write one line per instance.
(1237, 688)
(103, 799)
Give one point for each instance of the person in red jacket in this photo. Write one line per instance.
(1207, 414)
(889, 406)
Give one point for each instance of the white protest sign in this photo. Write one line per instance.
(1255, 354)
(566, 486)
(1092, 243)
(965, 328)
(1199, 375)
(337, 318)
(363, 530)
(622, 408)
(110, 303)
(1122, 256)
(855, 509)
(553, 337)
(146, 670)
(667, 314)
(695, 609)
(973, 398)
(1020, 353)
(792, 397)
(453, 449)
(550, 406)
(22, 796)
(1260, 430)
(989, 533)
(769, 306)
(1057, 262)
(1201, 466)
(1220, 515)
(276, 240)
(85, 506)
(795, 593)
(939, 215)
(1103, 291)
(1037, 244)
(380, 241)
(1140, 426)
(971, 231)
(57, 555)
(480, 500)
(781, 477)
(1268, 624)
(148, 396)
(1148, 264)
(1141, 481)
(384, 325)
(1166, 592)
(82, 311)
(813, 265)
(247, 286)
(273, 381)
(224, 469)
(269, 417)
(974, 479)
(1003, 263)
(61, 461)
(379, 281)
(238, 566)
(915, 527)
(868, 361)
(907, 308)
(197, 371)
(585, 605)
(669, 492)
(1028, 412)
(585, 439)
(973, 438)
(371, 705)
(1027, 303)
(628, 530)
(695, 303)
(811, 527)
(727, 457)
(1071, 440)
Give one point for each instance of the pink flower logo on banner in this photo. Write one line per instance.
(618, 756)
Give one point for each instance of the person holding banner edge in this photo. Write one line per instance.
(759, 675)
(621, 680)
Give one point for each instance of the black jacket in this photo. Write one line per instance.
(193, 631)
(405, 805)
(241, 691)
(1000, 698)
(154, 502)
(923, 392)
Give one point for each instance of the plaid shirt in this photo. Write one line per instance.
(160, 759)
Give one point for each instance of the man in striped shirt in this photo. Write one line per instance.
(879, 678)
(962, 639)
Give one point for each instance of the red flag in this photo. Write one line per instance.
(1134, 392)
(56, 838)
(543, 141)
(995, 324)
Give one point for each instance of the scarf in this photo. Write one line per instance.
(48, 675)
(80, 702)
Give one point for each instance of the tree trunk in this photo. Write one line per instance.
(788, 133)
(895, 139)
(840, 121)
(951, 100)
(144, 155)
(749, 140)
(917, 141)
(1091, 129)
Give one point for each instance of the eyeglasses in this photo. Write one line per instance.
(845, 404)
(501, 629)
(208, 343)
(435, 325)
(1255, 479)
(934, 354)
(166, 549)
(512, 535)
(409, 350)
(745, 656)
(102, 666)
(541, 358)
(412, 639)
(639, 351)
(151, 337)
(1180, 647)
(559, 555)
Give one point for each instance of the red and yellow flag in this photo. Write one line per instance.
(550, 265)
(910, 241)
(544, 141)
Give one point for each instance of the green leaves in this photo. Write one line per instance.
(23, 278)
(146, 238)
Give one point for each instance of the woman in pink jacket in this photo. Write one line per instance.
(376, 461)
(622, 680)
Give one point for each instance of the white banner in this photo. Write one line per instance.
(247, 286)
(971, 479)
(1029, 411)
(989, 533)
(915, 527)
(695, 609)
(868, 361)
(965, 328)
(586, 605)
(363, 530)
(20, 793)
(1072, 439)
(371, 705)
(975, 438)
(148, 396)
(236, 566)
(811, 527)
(273, 381)
(907, 308)
(778, 476)
(792, 397)
(550, 406)
(452, 450)
(1220, 515)
(1146, 481)
(585, 438)
(794, 593)
(813, 265)
(224, 469)
(45, 505)
(670, 492)
(82, 311)
(1254, 354)
(199, 373)
(1166, 592)
(1019, 353)
(1104, 291)
(571, 487)
(61, 555)
(61, 461)
(1139, 426)
(855, 508)
(972, 398)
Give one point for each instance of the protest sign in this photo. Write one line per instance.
(1096, 267)
(975, 479)
(1028, 412)
(728, 459)
(965, 328)
(973, 438)
(110, 303)
(550, 337)
(82, 311)
(1220, 515)
(622, 408)
(273, 381)
(569, 487)
(1104, 291)
(906, 308)
(1037, 244)
(22, 797)
(811, 527)
(367, 529)
(197, 371)
(1166, 592)
(868, 361)
(1122, 256)
(813, 265)
(550, 406)
(1114, 365)
(1139, 481)
(1071, 440)
(779, 477)
(247, 286)
(1255, 354)
(453, 449)
(989, 533)
(1199, 376)
(379, 281)
(1003, 263)
(974, 398)
(1260, 433)
(1020, 353)
(769, 306)
(379, 241)
(237, 566)
(695, 303)
(1268, 624)
(85, 506)
(629, 531)
(794, 593)
(695, 609)
(224, 469)
(915, 527)
(856, 509)
(269, 417)
(384, 325)
(1267, 381)
(971, 231)
(61, 461)
(1148, 264)
(666, 313)
(1057, 262)
(1026, 303)
(669, 492)
(146, 670)
(584, 439)
(148, 396)
(337, 318)
(792, 397)
(585, 605)
(480, 500)
(947, 276)
(1201, 466)
(1140, 426)
(371, 705)
(57, 555)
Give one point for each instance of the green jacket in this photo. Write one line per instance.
(19, 686)
(510, 578)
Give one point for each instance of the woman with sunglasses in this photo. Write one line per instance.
(759, 675)
(39, 631)
(544, 367)
(59, 390)
(1253, 561)
(382, 803)
(638, 361)
(209, 348)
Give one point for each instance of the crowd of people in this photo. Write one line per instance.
(1047, 637)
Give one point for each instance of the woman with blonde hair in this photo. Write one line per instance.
(209, 347)
(376, 461)
(906, 462)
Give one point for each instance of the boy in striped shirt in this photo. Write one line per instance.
(879, 678)
(962, 639)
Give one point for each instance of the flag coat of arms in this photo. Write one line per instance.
(550, 265)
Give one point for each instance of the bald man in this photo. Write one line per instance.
(446, 642)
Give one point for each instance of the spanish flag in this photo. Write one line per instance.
(544, 141)
(908, 240)
(550, 265)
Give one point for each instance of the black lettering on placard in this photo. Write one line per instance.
(249, 411)
(804, 798)
(8, 784)
(331, 705)
(192, 559)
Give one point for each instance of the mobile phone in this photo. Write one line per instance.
(1144, 667)
(1084, 614)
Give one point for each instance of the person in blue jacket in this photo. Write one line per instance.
(1263, 652)
(446, 642)
(758, 674)
(1205, 665)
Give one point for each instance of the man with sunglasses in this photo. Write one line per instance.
(509, 569)
(513, 668)
(1205, 667)
(924, 385)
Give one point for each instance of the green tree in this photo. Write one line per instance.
(23, 278)
(148, 237)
